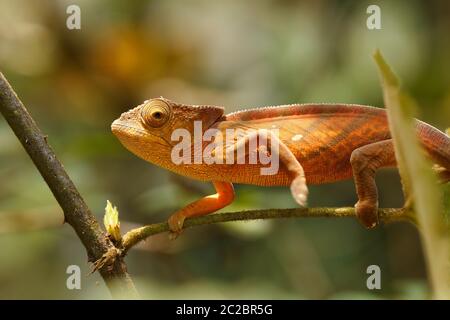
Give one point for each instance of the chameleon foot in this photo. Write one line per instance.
(175, 222)
(367, 213)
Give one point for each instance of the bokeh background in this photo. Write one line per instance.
(231, 53)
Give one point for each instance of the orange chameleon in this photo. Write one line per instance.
(317, 143)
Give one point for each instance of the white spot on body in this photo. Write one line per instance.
(297, 137)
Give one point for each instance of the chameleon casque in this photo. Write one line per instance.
(318, 143)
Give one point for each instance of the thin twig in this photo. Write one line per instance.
(134, 236)
(76, 212)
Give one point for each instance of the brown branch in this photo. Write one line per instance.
(76, 212)
(134, 236)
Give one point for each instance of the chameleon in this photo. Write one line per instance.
(316, 144)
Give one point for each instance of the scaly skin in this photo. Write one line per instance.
(321, 143)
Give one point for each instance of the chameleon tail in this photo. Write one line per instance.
(436, 143)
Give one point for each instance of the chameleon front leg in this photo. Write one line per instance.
(225, 191)
(208, 204)
(277, 148)
(365, 161)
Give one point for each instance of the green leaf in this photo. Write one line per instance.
(111, 221)
(420, 183)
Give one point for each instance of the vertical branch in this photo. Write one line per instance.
(76, 212)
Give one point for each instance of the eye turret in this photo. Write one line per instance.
(155, 113)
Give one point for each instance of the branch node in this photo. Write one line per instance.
(107, 259)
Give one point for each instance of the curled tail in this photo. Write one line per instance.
(437, 145)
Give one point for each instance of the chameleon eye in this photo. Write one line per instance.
(155, 113)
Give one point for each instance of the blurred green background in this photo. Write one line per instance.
(232, 53)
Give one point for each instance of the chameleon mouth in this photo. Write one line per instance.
(119, 128)
(127, 133)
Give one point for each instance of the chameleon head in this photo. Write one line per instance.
(147, 129)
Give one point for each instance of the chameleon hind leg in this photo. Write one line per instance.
(365, 161)
(224, 196)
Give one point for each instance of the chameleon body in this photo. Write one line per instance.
(318, 143)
